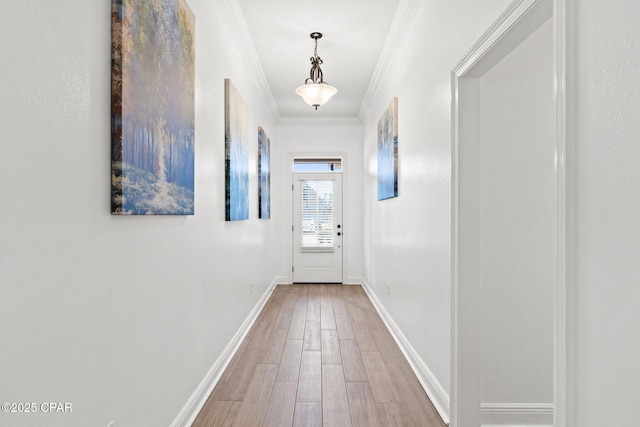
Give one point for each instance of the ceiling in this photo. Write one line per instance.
(354, 32)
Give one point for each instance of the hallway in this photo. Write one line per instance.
(132, 319)
(318, 355)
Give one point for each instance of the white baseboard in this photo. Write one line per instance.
(354, 281)
(192, 408)
(430, 384)
(280, 280)
(516, 425)
(516, 414)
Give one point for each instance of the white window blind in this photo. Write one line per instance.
(317, 216)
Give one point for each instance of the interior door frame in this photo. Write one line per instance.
(490, 47)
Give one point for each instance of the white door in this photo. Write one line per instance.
(317, 228)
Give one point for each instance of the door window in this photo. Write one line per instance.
(316, 214)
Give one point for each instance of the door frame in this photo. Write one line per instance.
(498, 40)
(346, 223)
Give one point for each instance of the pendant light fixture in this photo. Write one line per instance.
(315, 91)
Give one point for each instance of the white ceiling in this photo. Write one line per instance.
(353, 31)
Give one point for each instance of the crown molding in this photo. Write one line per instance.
(405, 13)
(237, 23)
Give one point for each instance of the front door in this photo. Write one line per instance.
(317, 228)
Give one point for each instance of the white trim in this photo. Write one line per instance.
(517, 408)
(235, 19)
(505, 23)
(355, 281)
(516, 414)
(514, 13)
(516, 425)
(427, 379)
(280, 280)
(192, 408)
(405, 12)
(560, 319)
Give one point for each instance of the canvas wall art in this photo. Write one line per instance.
(264, 175)
(236, 138)
(152, 107)
(388, 152)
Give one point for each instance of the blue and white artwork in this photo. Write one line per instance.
(236, 138)
(152, 107)
(388, 152)
(264, 175)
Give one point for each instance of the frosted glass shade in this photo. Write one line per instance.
(316, 94)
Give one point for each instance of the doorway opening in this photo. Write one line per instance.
(509, 218)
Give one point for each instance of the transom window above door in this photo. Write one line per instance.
(317, 165)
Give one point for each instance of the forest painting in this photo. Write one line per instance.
(236, 138)
(152, 107)
(388, 152)
(264, 175)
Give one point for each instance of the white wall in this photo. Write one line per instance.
(320, 137)
(409, 243)
(604, 188)
(517, 216)
(123, 316)
(120, 316)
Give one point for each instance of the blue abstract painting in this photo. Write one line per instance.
(236, 138)
(152, 107)
(388, 152)
(264, 175)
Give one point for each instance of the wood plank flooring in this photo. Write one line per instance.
(318, 355)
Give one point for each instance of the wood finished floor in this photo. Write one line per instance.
(318, 355)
